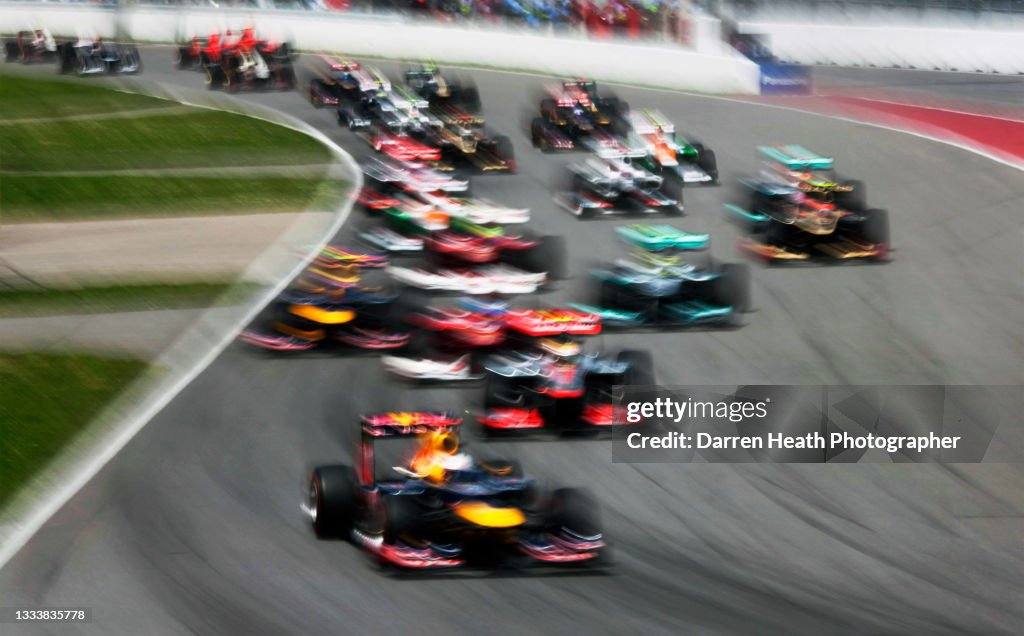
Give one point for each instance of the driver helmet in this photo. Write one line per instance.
(565, 348)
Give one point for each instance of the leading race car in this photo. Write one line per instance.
(247, 63)
(442, 508)
(92, 57)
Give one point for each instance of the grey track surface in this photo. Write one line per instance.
(196, 526)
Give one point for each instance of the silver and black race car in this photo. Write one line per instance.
(613, 182)
(93, 57)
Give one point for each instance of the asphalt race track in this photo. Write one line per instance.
(196, 526)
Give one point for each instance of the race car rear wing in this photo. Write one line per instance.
(452, 114)
(552, 322)
(649, 122)
(796, 157)
(407, 423)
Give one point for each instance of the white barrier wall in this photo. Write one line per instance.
(925, 48)
(666, 66)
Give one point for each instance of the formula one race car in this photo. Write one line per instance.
(789, 227)
(428, 82)
(341, 80)
(480, 260)
(497, 278)
(665, 292)
(386, 178)
(400, 145)
(247, 63)
(463, 140)
(31, 46)
(667, 153)
(329, 306)
(91, 57)
(554, 384)
(442, 350)
(614, 183)
(445, 509)
(574, 111)
(801, 213)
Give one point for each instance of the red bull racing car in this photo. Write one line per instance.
(445, 509)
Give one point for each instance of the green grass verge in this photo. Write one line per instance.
(30, 98)
(45, 198)
(47, 399)
(114, 298)
(204, 138)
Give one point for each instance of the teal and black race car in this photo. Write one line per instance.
(658, 288)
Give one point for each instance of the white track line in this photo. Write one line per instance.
(40, 511)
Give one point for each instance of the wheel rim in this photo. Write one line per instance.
(314, 500)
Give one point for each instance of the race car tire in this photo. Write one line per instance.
(11, 51)
(547, 109)
(503, 148)
(129, 58)
(537, 128)
(286, 78)
(409, 301)
(614, 106)
(875, 230)
(214, 72)
(732, 287)
(420, 344)
(468, 98)
(66, 57)
(332, 500)
(401, 518)
(673, 188)
(576, 510)
(707, 162)
(853, 201)
(314, 98)
(500, 392)
(549, 257)
(641, 367)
